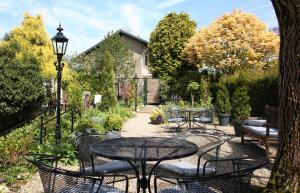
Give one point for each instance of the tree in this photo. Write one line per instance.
(21, 81)
(234, 41)
(104, 74)
(121, 57)
(285, 175)
(167, 42)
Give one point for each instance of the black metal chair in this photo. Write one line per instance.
(204, 117)
(99, 165)
(231, 176)
(57, 179)
(209, 146)
(175, 116)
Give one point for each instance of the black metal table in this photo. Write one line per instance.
(143, 149)
(189, 116)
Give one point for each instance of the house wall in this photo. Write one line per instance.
(139, 50)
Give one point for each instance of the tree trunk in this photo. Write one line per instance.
(285, 175)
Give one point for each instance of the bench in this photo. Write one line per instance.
(265, 131)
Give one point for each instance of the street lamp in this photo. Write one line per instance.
(59, 43)
(136, 80)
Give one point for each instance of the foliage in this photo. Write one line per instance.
(32, 37)
(122, 111)
(234, 41)
(204, 94)
(20, 84)
(74, 95)
(15, 144)
(105, 81)
(66, 150)
(113, 122)
(167, 42)
(240, 103)
(157, 115)
(263, 88)
(222, 100)
(87, 65)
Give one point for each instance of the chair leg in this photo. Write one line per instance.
(267, 148)
(242, 138)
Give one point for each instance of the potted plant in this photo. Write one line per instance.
(157, 117)
(223, 104)
(240, 108)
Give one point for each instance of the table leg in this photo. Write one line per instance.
(144, 181)
(134, 166)
(190, 120)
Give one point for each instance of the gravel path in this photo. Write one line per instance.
(140, 126)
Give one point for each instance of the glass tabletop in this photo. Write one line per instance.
(144, 148)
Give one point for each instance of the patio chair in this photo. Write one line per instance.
(204, 117)
(99, 165)
(57, 179)
(230, 176)
(176, 116)
(209, 147)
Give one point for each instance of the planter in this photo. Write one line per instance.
(156, 122)
(224, 119)
(237, 124)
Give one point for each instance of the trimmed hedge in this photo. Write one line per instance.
(262, 88)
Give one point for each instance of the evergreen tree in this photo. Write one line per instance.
(166, 43)
(21, 85)
(104, 80)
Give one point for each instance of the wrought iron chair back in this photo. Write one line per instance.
(57, 179)
(232, 176)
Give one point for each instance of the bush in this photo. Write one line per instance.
(222, 100)
(113, 122)
(74, 95)
(240, 103)
(263, 88)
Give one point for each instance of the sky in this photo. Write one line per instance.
(86, 22)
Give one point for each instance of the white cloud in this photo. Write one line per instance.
(5, 5)
(168, 3)
(132, 17)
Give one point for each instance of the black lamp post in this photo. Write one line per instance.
(59, 43)
(136, 80)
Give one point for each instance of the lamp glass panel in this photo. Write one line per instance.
(54, 46)
(65, 48)
(60, 47)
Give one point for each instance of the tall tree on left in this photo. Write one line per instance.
(26, 59)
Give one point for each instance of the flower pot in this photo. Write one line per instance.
(156, 122)
(224, 119)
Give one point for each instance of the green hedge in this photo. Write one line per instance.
(262, 88)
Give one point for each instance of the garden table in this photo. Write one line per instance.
(190, 112)
(143, 150)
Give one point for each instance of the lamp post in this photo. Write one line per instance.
(59, 43)
(136, 79)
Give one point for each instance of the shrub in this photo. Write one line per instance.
(204, 94)
(74, 94)
(240, 103)
(222, 101)
(113, 122)
(263, 88)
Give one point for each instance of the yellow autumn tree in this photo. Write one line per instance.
(236, 40)
(32, 37)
